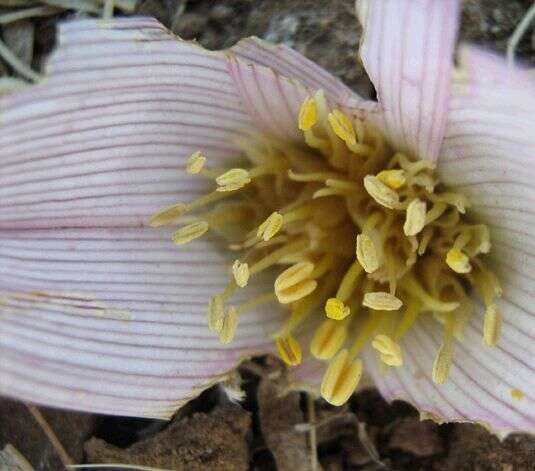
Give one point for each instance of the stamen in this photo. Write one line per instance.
(270, 226)
(294, 283)
(230, 324)
(458, 261)
(308, 114)
(395, 179)
(383, 194)
(289, 350)
(517, 394)
(233, 179)
(444, 358)
(328, 339)
(381, 301)
(241, 273)
(336, 309)
(216, 313)
(492, 325)
(390, 351)
(342, 126)
(367, 253)
(415, 220)
(341, 378)
(190, 232)
(195, 163)
(167, 215)
(443, 362)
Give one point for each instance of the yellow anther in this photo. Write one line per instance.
(342, 126)
(389, 350)
(190, 232)
(458, 261)
(328, 339)
(393, 178)
(230, 324)
(241, 273)
(517, 394)
(270, 226)
(336, 309)
(383, 194)
(308, 114)
(167, 215)
(233, 179)
(294, 283)
(415, 218)
(442, 363)
(289, 350)
(367, 253)
(381, 301)
(492, 325)
(216, 313)
(195, 163)
(341, 378)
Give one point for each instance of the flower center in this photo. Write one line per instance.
(368, 237)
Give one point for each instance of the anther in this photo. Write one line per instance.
(241, 273)
(517, 394)
(289, 350)
(492, 325)
(230, 324)
(336, 309)
(328, 339)
(270, 226)
(195, 163)
(381, 301)
(216, 313)
(233, 179)
(167, 215)
(383, 194)
(294, 283)
(415, 218)
(308, 114)
(458, 261)
(367, 253)
(443, 362)
(341, 378)
(190, 232)
(393, 178)
(389, 350)
(342, 126)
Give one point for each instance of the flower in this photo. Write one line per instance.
(100, 312)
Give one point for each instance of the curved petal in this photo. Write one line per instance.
(285, 61)
(407, 50)
(98, 312)
(488, 153)
(481, 381)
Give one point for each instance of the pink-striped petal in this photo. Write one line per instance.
(489, 154)
(407, 50)
(98, 312)
(287, 62)
(481, 381)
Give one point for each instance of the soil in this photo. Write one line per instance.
(269, 429)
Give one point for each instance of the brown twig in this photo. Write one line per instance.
(64, 457)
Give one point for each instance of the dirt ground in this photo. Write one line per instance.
(265, 431)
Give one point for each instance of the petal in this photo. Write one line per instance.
(480, 381)
(285, 61)
(98, 312)
(488, 154)
(114, 320)
(407, 50)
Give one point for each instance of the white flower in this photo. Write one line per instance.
(100, 312)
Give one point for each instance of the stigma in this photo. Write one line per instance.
(361, 241)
